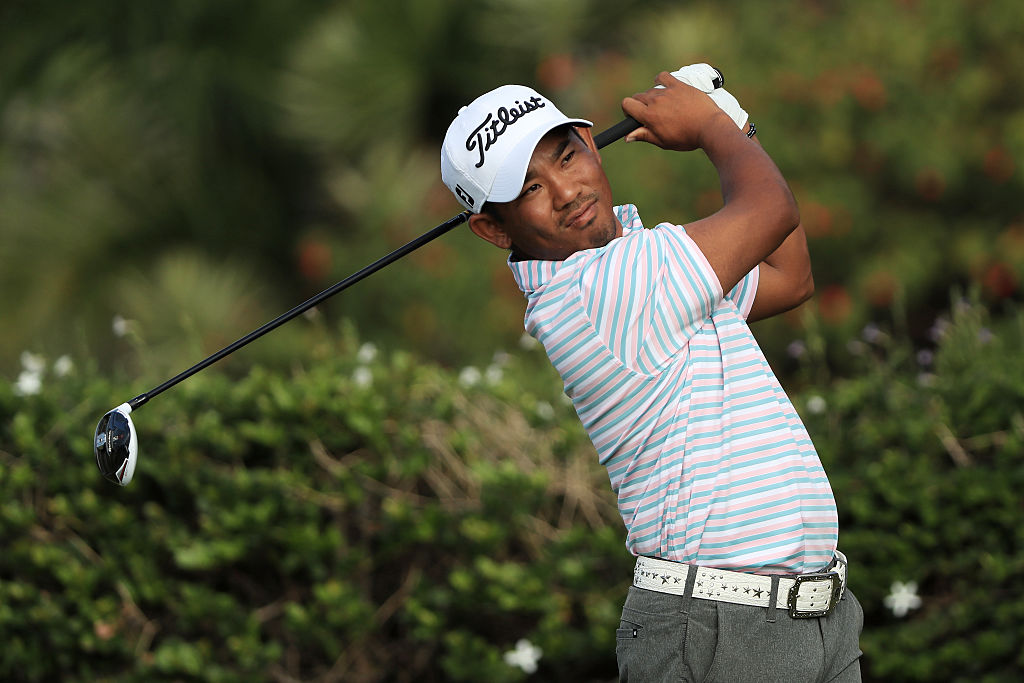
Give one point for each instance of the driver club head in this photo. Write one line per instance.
(116, 446)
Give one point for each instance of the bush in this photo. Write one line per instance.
(923, 451)
(374, 518)
(364, 518)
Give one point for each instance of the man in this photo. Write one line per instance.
(724, 499)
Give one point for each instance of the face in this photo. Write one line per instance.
(565, 204)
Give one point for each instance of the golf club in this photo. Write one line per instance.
(116, 443)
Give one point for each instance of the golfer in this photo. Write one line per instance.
(725, 503)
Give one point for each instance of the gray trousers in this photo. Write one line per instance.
(665, 637)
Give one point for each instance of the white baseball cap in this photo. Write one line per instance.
(488, 146)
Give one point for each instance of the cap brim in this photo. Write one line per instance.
(508, 182)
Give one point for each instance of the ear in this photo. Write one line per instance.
(489, 229)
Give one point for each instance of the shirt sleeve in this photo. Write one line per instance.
(744, 292)
(647, 293)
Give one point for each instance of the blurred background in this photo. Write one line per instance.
(194, 171)
(173, 176)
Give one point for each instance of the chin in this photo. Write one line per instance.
(604, 234)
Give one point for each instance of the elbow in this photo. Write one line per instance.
(804, 282)
(789, 214)
(806, 288)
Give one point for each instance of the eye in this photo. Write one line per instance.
(530, 189)
(568, 157)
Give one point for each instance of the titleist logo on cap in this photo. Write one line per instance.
(492, 128)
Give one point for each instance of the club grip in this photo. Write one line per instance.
(620, 129)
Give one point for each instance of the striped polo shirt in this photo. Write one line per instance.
(705, 452)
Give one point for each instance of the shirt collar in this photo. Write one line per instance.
(532, 274)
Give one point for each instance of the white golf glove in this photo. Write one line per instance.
(702, 77)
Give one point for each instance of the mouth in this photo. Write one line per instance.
(582, 216)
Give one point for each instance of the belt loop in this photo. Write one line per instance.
(773, 599)
(691, 579)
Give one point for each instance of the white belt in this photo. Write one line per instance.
(803, 595)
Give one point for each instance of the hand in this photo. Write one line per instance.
(674, 115)
(708, 79)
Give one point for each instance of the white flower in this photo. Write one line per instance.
(367, 352)
(525, 656)
(493, 374)
(33, 362)
(28, 383)
(119, 325)
(872, 333)
(526, 342)
(985, 335)
(925, 357)
(926, 379)
(62, 366)
(469, 376)
(938, 329)
(544, 410)
(816, 405)
(856, 347)
(500, 358)
(362, 376)
(902, 598)
(796, 349)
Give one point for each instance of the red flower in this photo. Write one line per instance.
(998, 164)
(930, 184)
(999, 280)
(835, 304)
(869, 91)
(314, 259)
(880, 288)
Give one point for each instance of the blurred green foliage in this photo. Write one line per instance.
(369, 517)
(199, 169)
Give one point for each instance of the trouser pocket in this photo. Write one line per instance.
(649, 647)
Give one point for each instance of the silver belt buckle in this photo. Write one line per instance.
(837, 590)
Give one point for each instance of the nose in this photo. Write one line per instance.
(564, 190)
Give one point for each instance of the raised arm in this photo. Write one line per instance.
(759, 211)
(785, 280)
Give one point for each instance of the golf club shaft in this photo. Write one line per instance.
(601, 140)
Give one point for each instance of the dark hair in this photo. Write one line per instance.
(491, 209)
